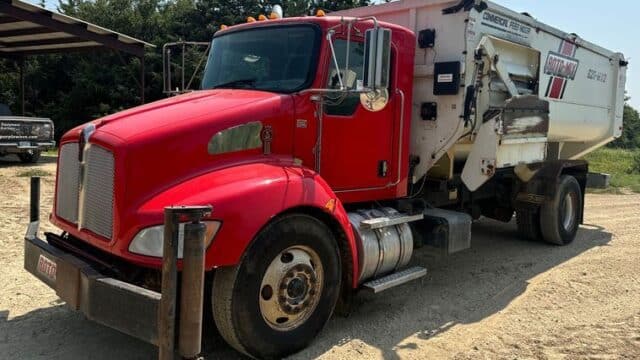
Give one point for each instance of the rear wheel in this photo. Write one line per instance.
(559, 219)
(280, 296)
(31, 156)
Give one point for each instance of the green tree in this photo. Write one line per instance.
(77, 87)
(630, 138)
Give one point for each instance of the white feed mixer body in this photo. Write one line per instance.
(502, 54)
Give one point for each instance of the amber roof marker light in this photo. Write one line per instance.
(276, 12)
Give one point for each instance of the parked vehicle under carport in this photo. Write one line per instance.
(28, 30)
(24, 136)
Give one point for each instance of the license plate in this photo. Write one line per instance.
(47, 267)
(24, 143)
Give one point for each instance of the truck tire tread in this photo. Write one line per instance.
(553, 231)
(239, 319)
(29, 158)
(221, 302)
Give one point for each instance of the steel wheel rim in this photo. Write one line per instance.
(569, 208)
(291, 288)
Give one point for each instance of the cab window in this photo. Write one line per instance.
(345, 104)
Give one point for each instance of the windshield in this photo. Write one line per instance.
(278, 59)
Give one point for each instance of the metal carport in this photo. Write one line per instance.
(27, 29)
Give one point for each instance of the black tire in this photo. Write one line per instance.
(29, 157)
(528, 221)
(557, 223)
(236, 290)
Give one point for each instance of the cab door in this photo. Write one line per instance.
(356, 145)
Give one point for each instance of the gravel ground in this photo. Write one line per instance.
(504, 298)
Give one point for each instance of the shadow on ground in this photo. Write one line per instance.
(462, 288)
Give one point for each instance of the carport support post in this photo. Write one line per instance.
(167, 314)
(192, 292)
(22, 106)
(142, 78)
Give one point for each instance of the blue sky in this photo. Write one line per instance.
(611, 24)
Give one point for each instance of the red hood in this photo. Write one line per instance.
(161, 144)
(174, 111)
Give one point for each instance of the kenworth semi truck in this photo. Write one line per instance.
(330, 149)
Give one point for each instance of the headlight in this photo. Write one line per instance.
(41, 130)
(149, 241)
(46, 131)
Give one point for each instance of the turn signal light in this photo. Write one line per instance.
(273, 16)
(320, 13)
(251, 19)
(262, 18)
(222, 27)
(330, 205)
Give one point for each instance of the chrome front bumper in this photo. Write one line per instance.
(17, 147)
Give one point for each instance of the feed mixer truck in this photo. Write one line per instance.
(331, 148)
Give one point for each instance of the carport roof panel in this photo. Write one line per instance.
(27, 29)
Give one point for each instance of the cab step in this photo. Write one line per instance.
(395, 279)
(377, 223)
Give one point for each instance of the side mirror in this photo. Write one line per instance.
(377, 60)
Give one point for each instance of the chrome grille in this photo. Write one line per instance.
(96, 198)
(68, 183)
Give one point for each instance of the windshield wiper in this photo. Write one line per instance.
(234, 83)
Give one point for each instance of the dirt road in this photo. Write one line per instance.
(504, 298)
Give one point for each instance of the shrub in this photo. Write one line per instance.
(635, 164)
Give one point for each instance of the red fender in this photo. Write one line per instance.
(245, 198)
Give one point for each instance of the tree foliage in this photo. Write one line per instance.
(76, 87)
(630, 138)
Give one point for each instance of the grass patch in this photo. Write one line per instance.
(33, 172)
(51, 152)
(621, 164)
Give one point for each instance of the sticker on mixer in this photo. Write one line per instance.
(445, 78)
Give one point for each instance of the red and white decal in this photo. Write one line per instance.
(562, 66)
(47, 267)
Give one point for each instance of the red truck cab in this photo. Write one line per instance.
(327, 156)
(278, 142)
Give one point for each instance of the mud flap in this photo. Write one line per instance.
(540, 183)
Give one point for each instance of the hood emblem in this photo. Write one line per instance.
(266, 136)
(85, 134)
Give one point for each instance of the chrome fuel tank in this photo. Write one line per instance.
(382, 250)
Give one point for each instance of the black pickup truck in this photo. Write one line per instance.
(26, 137)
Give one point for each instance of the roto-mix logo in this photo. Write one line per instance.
(558, 65)
(562, 66)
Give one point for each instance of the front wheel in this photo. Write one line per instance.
(281, 295)
(29, 157)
